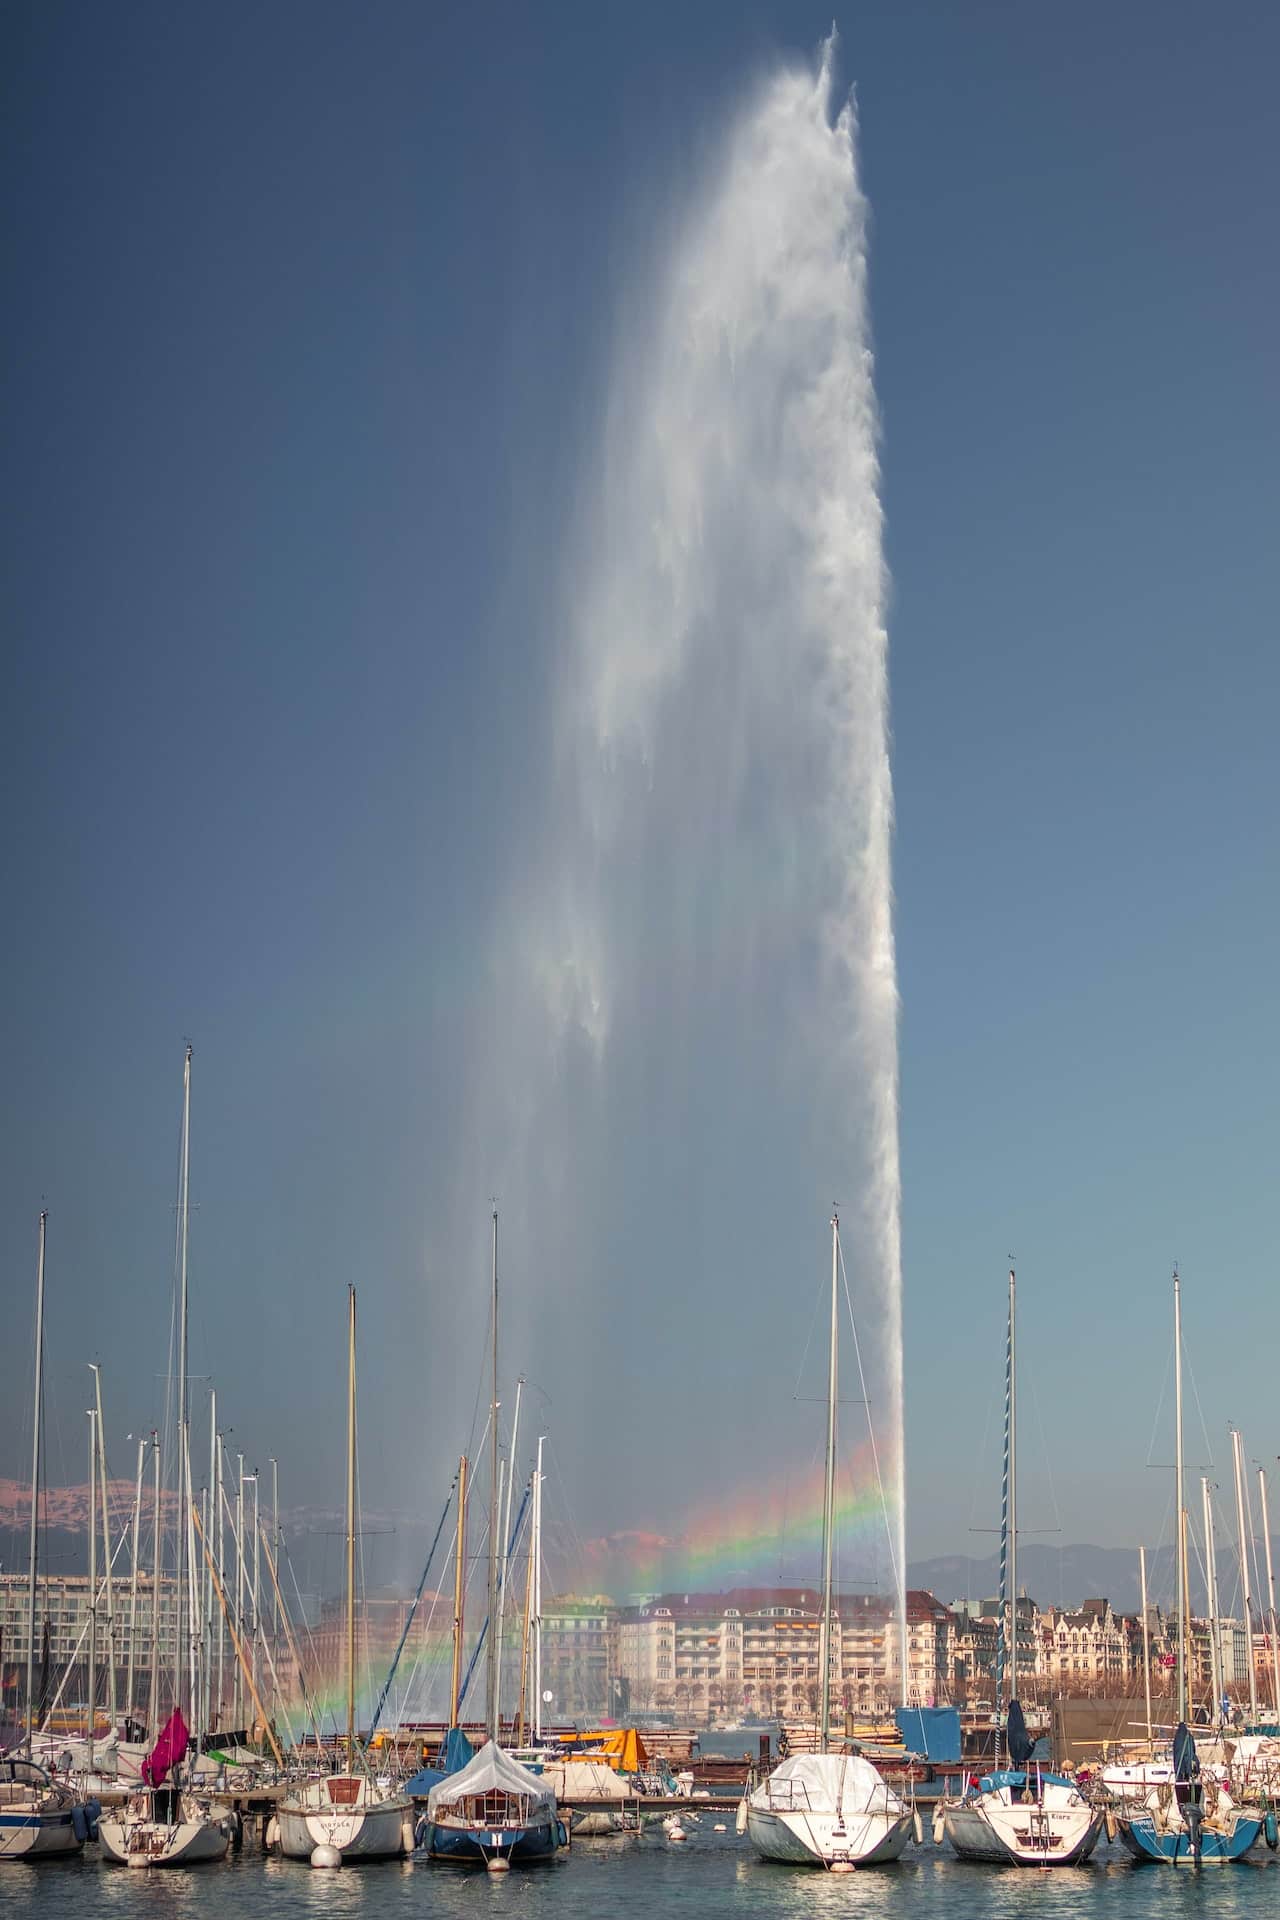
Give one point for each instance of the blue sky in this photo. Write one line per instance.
(311, 312)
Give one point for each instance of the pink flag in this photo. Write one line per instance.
(168, 1749)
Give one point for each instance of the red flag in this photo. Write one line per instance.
(168, 1749)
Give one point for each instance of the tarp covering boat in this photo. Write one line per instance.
(828, 1782)
(932, 1732)
(491, 1771)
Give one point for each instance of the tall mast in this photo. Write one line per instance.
(1271, 1593)
(38, 1402)
(112, 1701)
(1237, 1454)
(132, 1666)
(1146, 1639)
(351, 1531)
(459, 1592)
(505, 1544)
(93, 1576)
(1211, 1602)
(1180, 1529)
(537, 1596)
(491, 1668)
(153, 1711)
(1011, 1403)
(184, 1495)
(828, 1495)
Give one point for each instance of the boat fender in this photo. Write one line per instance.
(421, 1831)
(562, 1837)
(271, 1838)
(1270, 1831)
(80, 1823)
(740, 1824)
(917, 1827)
(1109, 1821)
(406, 1832)
(233, 1827)
(939, 1827)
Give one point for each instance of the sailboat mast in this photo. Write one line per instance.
(1146, 1639)
(537, 1595)
(828, 1495)
(1011, 1443)
(112, 1702)
(459, 1593)
(38, 1402)
(132, 1667)
(153, 1710)
(183, 1489)
(1237, 1455)
(1211, 1603)
(1178, 1504)
(93, 1578)
(1271, 1592)
(491, 1668)
(351, 1528)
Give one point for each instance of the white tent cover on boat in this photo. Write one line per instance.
(492, 1771)
(841, 1783)
(584, 1780)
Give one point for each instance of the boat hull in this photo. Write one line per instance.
(1149, 1842)
(1021, 1835)
(155, 1843)
(803, 1838)
(37, 1836)
(378, 1832)
(468, 1845)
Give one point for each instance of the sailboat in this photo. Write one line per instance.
(492, 1811)
(349, 1815)
(165, 1823)
(1180, 1816)
(1019, 1815)
(830, 1808)
(39, 1819)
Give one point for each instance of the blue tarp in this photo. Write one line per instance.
(453, 1756)
(931, 1731)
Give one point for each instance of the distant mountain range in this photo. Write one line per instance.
(1062, 1576)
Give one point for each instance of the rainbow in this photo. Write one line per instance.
(765, 1532)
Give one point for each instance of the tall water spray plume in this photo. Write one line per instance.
(695, 981)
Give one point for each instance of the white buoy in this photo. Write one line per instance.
(842, 1866)
(676, 1833)
(720, 1827)
(498, 1863)
(326, 1856)
(137, 1860)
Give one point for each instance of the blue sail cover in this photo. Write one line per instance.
(1020, 1742)
(452, 1758)
(1186, 1764)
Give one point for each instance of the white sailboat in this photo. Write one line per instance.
(830, 1808)
(1019, 1815)
(346, 1816)
(166, 1823)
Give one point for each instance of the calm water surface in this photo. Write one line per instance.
(712, 1874)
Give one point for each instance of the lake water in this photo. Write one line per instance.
(712, 1874)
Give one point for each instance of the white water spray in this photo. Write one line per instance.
(709, 894)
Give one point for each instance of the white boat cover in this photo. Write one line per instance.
(492, 1771)
(828, 1783)
(585, 1780)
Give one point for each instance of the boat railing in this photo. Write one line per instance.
(788, 1796)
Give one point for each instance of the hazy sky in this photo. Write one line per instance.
(311, 316)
